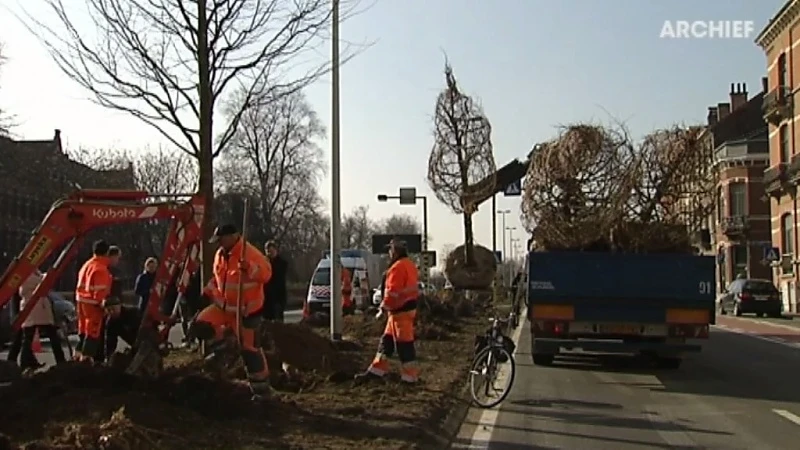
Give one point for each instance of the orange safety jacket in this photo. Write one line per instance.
(402, 286)
(94, 281)
(223, 288)
(347, 287)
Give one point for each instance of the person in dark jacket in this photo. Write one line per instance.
(275, 290)
(144, 281)
(114, 256)
(122, 323)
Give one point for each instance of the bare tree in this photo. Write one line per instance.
(169, 63)
(462, 155)
(275, 152)
(358, 228)
(5, 119)
(400, 224)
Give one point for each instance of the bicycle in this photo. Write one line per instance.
(492, 350)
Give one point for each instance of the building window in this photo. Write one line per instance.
(739, 260)
(738, 196)
(783, 71)
(787, 240)
(784, 145)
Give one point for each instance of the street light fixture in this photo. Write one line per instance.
(412, 200)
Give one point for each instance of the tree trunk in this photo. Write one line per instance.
(469, 243)
(205, 160)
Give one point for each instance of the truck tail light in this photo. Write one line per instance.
(547, 327)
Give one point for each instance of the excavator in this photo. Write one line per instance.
(68, 222)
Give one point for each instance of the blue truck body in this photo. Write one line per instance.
(620, 288)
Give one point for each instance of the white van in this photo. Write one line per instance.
(319, 289)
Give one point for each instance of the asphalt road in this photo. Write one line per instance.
(739, 393)
(176, 334)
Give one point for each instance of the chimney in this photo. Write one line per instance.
(765, 85)
(712, 116)
(738, 95)
(723, 109)
(57, 140)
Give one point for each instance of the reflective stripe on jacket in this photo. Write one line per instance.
(402, 286)
(224, 286)
(94, 281)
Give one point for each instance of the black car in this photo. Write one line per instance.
(750, 296)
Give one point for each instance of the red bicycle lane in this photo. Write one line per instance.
(781, 333)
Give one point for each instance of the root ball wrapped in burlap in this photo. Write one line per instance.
(477, 276)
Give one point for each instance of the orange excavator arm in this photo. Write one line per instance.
(71, 218)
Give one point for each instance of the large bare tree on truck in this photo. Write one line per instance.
(169, 63)
(461, 157)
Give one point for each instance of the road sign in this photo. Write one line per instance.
(498, 255)
(514, 189)
(772, 254)
(428, 258)
(380, 242)
(408, 196)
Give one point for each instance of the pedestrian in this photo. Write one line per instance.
(144, 281)
(117, 288)
(41, 319)
(240, 272)
(400, 304)
(92, 291)
(275, 293)
(16, 342)
(122, 323)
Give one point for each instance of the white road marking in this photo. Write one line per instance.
(787, 415)
(482, 436)
(792, 345)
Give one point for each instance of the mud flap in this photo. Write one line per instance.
(147, 360)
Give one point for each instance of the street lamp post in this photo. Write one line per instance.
(503, 213)
(336, 207)
(384, 197)
(511, 242)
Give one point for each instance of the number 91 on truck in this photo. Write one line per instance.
(658, 305)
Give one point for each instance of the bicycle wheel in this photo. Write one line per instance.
(487, 372)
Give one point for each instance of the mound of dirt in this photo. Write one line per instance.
(477, 276)
(298, 347)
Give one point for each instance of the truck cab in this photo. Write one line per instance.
(601, 302)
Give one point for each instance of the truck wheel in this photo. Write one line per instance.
(669, 363)
(543, 359)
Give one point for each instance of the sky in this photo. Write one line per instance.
(533, 64)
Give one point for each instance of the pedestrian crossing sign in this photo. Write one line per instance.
(772, 254)
(514, 189)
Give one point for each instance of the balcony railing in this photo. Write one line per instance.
(775, 179)
(778, 105)
(734, 225)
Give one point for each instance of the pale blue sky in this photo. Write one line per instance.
(534, 64)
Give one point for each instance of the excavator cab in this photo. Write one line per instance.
(72, 218)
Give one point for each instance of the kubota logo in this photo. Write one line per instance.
(109, 213)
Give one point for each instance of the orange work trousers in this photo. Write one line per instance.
(90, 327)
(398, 336)
(252, 354)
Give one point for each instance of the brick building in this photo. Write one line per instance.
(740, 224)
(33, 175)
(779, 40)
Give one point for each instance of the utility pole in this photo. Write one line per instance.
(494, 223)
(336, 206)
(503, 213)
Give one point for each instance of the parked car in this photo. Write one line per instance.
(65, 313)
(751, 296)
(424, 289)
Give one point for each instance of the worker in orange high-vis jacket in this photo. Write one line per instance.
(94, 287)
(237, 265)
(347, 289)
(400, 304)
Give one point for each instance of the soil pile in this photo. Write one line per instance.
(477, 276)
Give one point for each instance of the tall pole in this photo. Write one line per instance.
(494, 224)
(511, 239)
(336, 207)
(424, 223)
(504, 235)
